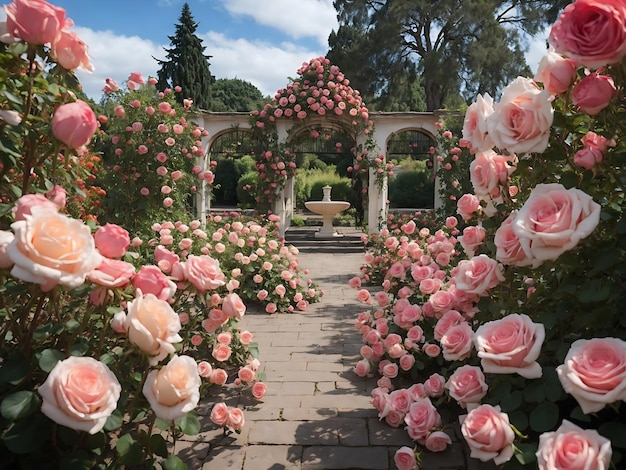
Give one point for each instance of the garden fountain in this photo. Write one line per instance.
(327, 209)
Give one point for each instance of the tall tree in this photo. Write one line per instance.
(469, 45)
(234, 94)
(186, 65)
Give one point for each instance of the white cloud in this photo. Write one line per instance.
(537, 49)
(290, 17)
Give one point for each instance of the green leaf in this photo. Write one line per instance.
(535, 392)
(526, 453)
(189, 424)
(114, 421)
(49, 359)
(593, 291)
(78, 460)
(511, 402)
(158, 445)
(173, 462)
(130, 450)
(162, 424)
(614, 431)
(27, 435)
(544, 417)
(14, 369)
(19, 404)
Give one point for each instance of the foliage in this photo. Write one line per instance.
(186, 65)
(387, 39)
(411, 189)
(235, 95)
(247, 188)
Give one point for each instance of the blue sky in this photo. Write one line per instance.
(261, 41)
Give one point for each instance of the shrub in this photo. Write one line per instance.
(247, 189)
(411, 189)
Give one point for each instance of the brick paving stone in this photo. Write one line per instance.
(330, 457)
(273, 458)
(293, 432)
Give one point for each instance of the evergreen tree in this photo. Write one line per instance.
(186, 65)
(234, 94)
(476, 46)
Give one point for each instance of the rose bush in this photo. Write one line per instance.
(536, 181)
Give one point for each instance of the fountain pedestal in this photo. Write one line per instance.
(327, 209)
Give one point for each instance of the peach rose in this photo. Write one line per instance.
(151, 280)
(203, 272)
(112, 273)
(555, 72)
(233, 306)
(174, 389)
(5, 238)
(153, 326)
(246, 374)
(478, 275)
(219, 414)
(50, 249)
(235, 419)
(34, 22)
(488, 434)
(593, 93)
(80, 393)
(573, 448)
(218, 376)
(467, 385)
(74, 124)
(554, 220)
(26, 203)
(205, 369)
(221, 352)
(594, 372)
(522, 119)
(112, 240)
(258, 390)
(475, 131)
(591, 32)
(510, 345)
(405, 459)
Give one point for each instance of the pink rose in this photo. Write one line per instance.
(5, 238)
(112, 273)
(591, 32)
(488, 171)
(258, 390)
(594, 372)
(467, 385)
(218, 377)
(362, 368)
(438, 441)
(151, 280)
(219, 414)
(510, 345)
(26, 203)
(58, 195)
(112, 240)
(478, 275)
(205, 369)
(174, 389)
(246, 374)
(467, 205)
(165, 258)
(508, 247)
(153, 326)
(71, 52)
(50, 249)
(404, 458)
(573, 448)
(554, 220)
(475, 131)
(522, 119)
(447, 321)
(203, 272)
(235, 419)
(471, 239)
(555, 72)
(74, 124)
(35, 22)
(488, 434)
(593, 93)
(456, 343)
(421, 419)
(364, 296)
(221, 352)
(233, 306)
(80, 393)
(434, 385)
(431, 350)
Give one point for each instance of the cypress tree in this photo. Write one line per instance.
(186, 65)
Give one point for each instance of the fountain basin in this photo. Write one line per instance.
(327, 209)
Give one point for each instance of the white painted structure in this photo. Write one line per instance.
(386, 125)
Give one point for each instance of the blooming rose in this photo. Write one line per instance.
(80, 393)
(404, 458)
(219, 414)
(475, 131)
(235, 419)
(218, 377)
(488, 434)
(35, 22)
(74, 124)
(362, 368)
(50, 248)
(221, 352)
(594, 372)
(437, 441)
(70, 51)
(488, 171)
(593, 93)
(591, 32)
(203, 272)
(471, 239)
(151, 280)
(467, 385)
(153, 326)
(478, 275)
(456, 343)
(593, 151)
(205, 369)
(112, 240)
(521, 120)
(573, 448)
(112, 273)
(510, 345)
(434, 385)
(421, 419)
(555, 72)
(258, 390)
(508, 247)
(26, 203)
(5, 238)
(174, 389)
(554, 220)
(467, 205)
(233, 306)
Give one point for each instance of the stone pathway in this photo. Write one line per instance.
(317, 412)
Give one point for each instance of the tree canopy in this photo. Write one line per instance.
(186, 65)
(234, 94)
(475, 46)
